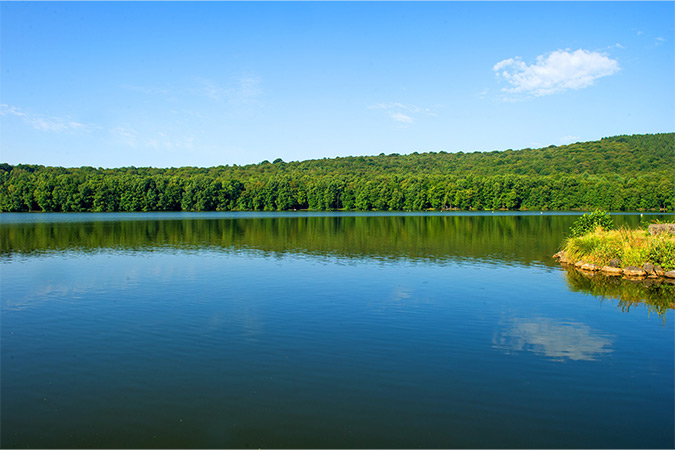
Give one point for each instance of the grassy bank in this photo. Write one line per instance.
(630, 247)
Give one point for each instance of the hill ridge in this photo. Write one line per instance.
(625, 172)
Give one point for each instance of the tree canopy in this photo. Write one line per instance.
(617, 173)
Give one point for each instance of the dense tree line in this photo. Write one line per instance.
(618, 173)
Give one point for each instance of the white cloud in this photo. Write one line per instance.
(8, 110)
(243, 89)
(146, 90)
(128, 136)
(155, 140)
(389, 105)
(400, 117)
(555, 72)
(400, 112)
(212, 90)
(568, 139)
(43, 123)
(247, 87)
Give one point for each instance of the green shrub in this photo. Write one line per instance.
(590, 221)
(662, 253)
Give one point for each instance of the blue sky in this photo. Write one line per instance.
(204, 84)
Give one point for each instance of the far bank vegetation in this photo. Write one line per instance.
(620, 173)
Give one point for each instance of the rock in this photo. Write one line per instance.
(559, 255)
(657, 228)
(612, 271)
(649, 269)
(578, 264)
(614, 263)
(658, 270)
(669, 274)
(590, 267)
(633, 271)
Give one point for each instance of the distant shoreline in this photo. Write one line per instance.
(621, 173)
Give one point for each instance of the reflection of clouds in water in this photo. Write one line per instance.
(79, 278)
(37, 295)
(557, 340)
(401, 293)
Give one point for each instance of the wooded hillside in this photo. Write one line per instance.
(616, 173)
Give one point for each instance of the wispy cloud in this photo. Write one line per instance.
(42, 122)
(400, 117)
(483, 93)
(237, 90)
(650, 41)
(402, 113)
(243, 89)
(568, 139)
(211, 89)
(155, 140)
(148, 90)
(127, 136)
(164, 142)
(554, 72)
(247, 87)
(8, 110)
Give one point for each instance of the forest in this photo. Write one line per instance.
(620, 173)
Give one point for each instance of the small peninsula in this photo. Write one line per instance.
(593, 246)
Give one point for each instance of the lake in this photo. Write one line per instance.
(329, 330)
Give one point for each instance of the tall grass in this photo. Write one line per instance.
(630, 247)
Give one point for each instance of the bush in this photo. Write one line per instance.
(662, 253)
(590, 221)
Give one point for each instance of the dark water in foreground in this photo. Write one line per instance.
(322, 330)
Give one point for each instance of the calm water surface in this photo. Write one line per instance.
(323, 330)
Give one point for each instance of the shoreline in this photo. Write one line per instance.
(632, 254)
(648, 271)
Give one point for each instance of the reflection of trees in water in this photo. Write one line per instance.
(520, 239)
(507, 239)
(553, 339)
(656, 294)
